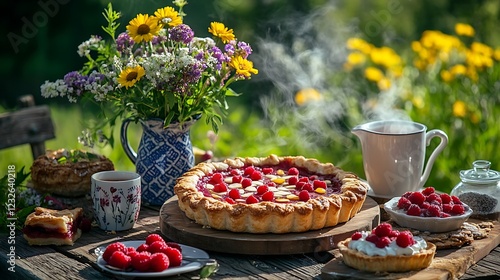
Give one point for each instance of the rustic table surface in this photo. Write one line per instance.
(79, 261)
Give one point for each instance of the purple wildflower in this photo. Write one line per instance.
(229, 48)
(124, 42)
(76, 81)
(158, 39)
(181, 33)
(244, 49)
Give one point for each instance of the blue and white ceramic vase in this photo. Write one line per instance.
(163, 155)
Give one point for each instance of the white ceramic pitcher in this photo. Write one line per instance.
(394, 155)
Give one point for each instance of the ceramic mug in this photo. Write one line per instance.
(394, 155)
(116, 199)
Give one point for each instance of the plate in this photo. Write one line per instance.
(186, 266)
(431, 224)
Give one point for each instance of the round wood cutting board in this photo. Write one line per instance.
(176, 226)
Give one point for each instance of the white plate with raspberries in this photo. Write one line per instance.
(428, 210)
(152, 257)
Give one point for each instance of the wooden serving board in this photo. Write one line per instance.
(176, 226)
(447, 264)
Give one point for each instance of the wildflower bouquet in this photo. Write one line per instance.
(157, 68)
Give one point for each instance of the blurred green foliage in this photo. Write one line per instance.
(254, 128)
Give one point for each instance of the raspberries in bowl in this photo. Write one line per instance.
(428, 210)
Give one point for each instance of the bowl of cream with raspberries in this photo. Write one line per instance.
(428, 210)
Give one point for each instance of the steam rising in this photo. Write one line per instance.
(309, 53)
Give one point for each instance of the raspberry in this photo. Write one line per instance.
(433, 197)
(143, 248)
(293, 171)
(236, 179)
(319, 184)
(130, 250)
(382, 242)
(174, 256)
(413, 210)
(268, 196)
(220, 187)
(383, 229)
(404, 203)
(235, 172)
(308, 187)
(86, 225)
(356, 236)
(299, 185)
(117, 246)
(458, 209)
(153, 237)
(230, 200)
(251, 199)
(157, 246)
(313, 177)
(455, 199)
(434, 211)
(304, 179)
(304, 195)
(373, 238)
(405, 239)
(271, 184)
(417, 198)
(120, 260)
(256, 175)
(141, 261)
(425, 205)
(445, 198)
(447, 208)
(246, 182)
(445, 215)
(217, 178)
(262, 189)
(234, 194)
(249, 170)
(159, 262)
(267, 170)
(394, 233)
(427, 191)
(407, 194)
(174, 245)
(293, 180)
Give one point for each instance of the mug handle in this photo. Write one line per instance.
(129, 151)
(444, 141)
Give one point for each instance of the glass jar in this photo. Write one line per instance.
(480, 189)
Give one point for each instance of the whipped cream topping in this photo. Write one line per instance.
(370, 249)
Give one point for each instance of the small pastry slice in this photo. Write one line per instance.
(53, 227)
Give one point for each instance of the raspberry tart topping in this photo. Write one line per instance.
(428, 203)
(154, 255)
(384, 241)
(281, 183)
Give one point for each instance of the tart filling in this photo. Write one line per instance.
(272, 194)
(47, 226)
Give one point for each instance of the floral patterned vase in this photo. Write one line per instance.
(164, 154)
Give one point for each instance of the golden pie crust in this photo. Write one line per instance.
(266, 216)
(70, 179)
(43, 223)
(360, 261)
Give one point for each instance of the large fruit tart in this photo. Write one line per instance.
(269, 195)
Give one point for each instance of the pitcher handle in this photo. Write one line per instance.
(444, 141)
(129, 151)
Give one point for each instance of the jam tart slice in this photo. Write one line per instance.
(269, 195)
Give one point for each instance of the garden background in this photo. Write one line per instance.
(314, 83)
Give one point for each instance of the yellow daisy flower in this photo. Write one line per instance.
(306, 95)
(168, 14)
(220, 30)
(373, 74)
(143, 28)
(243, 66)
(464, 29)
(131, 75)
(459, 109)
(356, 58)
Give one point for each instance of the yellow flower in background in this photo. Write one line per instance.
(360, 45)
(243, 66)
(307, 95)
(143, 28)
(446, 76)
(385, 56)
(384, 84)
(131, 75)
(356, 58)
(463, 29)
(373, 74)
(496, 54)
(168, 15)
(458, 69)
(459, 109)
(220, 30)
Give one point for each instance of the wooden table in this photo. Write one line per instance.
(79, 262)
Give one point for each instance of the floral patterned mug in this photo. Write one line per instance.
(116, 199)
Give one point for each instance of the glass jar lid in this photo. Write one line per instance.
(480, 174)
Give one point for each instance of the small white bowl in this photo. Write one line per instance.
(431, 224)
